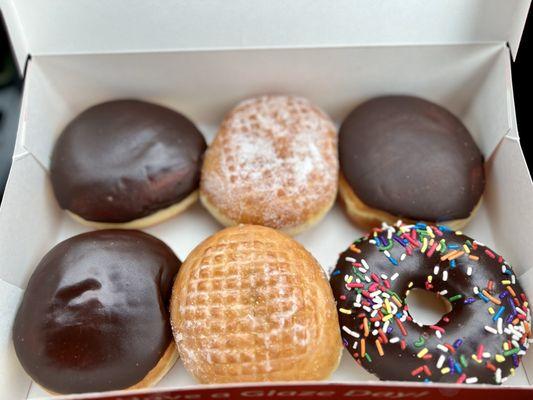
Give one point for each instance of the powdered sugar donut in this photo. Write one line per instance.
(274, 163)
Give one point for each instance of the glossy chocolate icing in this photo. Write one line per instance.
(94, 316)
(124, 160)
(411, 158)
(466, 321)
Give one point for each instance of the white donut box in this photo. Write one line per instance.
(203, 56)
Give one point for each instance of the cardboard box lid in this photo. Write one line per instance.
(103, 26)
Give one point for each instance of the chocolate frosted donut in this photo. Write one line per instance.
(127, 163)
(482, 338)
(94, 316)
(402, 156)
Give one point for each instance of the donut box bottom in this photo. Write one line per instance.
(471, 80)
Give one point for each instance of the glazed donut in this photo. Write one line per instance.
(273, 163)
(127, 164)
(94, 316)
(405, 157)
(482, 338)
(251, 304)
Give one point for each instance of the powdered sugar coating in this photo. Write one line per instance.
(273, 162)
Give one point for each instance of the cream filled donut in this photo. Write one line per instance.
(251, 304)
(94, 316)
(273, 163)
(127, 164)
(406, 157)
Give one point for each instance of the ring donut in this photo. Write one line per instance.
(482, 338)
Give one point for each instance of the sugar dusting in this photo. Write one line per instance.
(273, 162)
(249, 309)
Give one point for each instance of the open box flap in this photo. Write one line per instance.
(104, 26)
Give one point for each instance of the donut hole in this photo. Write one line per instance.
(426, 307)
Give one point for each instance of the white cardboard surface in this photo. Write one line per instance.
(104, 26)
(471, 80)
(12, 375)
(204, 84)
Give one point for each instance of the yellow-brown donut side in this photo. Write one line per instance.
(368, 217)
(292, 230)
(165, 363)
(262, 169)
(251, 304)
(145, 222)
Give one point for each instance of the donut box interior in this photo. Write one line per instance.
(455, 53)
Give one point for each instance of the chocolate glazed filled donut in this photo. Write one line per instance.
(127, 164)
(481, 340)
(405, 157)
(94, 316)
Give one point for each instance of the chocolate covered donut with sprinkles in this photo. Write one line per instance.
(481, 340)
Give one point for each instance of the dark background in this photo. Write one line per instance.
(522, 70)
(10, 92)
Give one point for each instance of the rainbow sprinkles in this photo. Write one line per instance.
(481, 340)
